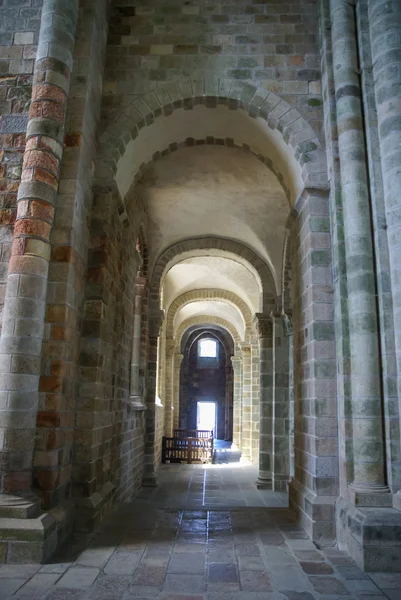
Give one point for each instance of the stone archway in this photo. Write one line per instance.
(187, 93)
(167, 258)
(206, 320)
(209, 295)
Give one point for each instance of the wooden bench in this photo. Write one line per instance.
(186, 448)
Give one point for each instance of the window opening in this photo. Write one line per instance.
(207, 348)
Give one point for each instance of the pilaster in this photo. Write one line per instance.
(265, 327)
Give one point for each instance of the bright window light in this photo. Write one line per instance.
(207, 348)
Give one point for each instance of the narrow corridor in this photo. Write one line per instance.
(205, 533)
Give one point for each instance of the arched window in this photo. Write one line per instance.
(207, 348)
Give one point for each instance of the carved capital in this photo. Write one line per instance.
(236, 362)
(264, 325)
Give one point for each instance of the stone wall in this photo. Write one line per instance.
(270, 44)
(19, 30)
(108, 447)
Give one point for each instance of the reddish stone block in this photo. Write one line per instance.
(32, 227)
(47, 480)
(32, 265)
(48, 418)
(50, 383)
(42, 210)
(73, 140)
(55, 313)
(42, 159)
(58, 367)
(62, 253)
(44, 176)
(35, 110)
(48, 91)
(7, 216)
(52, 110)
(58, 332)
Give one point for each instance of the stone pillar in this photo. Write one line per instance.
(313, 489)
(385, 36)
(255, 405)
(136, 399)
(289, 333)
(176, 389)
(149, 467)
(265, 325)
(237, 400)
(246, 402)
(281, 463)
(25, 302)
(365, 387)
(169, 389)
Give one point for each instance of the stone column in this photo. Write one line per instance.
(246, 401)
(136, 399)
(265, 325)
(289, 333)
(176, 389)
(280, 465)
(255, 406)
(149, 467)
(25, 301)
(365, 388)
(385, 36)
(237, 400)
(169, 390)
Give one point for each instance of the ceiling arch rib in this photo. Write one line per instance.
(202, 272)
(206, 321)
(213, 245)
(207, 295)
(290, 140)
(215, 307)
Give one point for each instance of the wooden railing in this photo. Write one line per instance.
(195, 433)
(187, 449)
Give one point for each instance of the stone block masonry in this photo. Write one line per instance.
(273, 45)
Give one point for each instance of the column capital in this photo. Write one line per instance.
(245, 349)
(236, 362)
(264, 323)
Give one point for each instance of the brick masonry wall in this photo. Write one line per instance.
(19, 30)
(272, 44)
(109, 434)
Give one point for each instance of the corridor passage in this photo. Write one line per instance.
(225, 542)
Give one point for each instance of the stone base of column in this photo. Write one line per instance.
(22, 506)
(31, 536)
(370, 496)
(90, 511)
(264, 481)
(372, 536)
(315, 513)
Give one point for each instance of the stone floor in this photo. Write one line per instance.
(149, 549)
